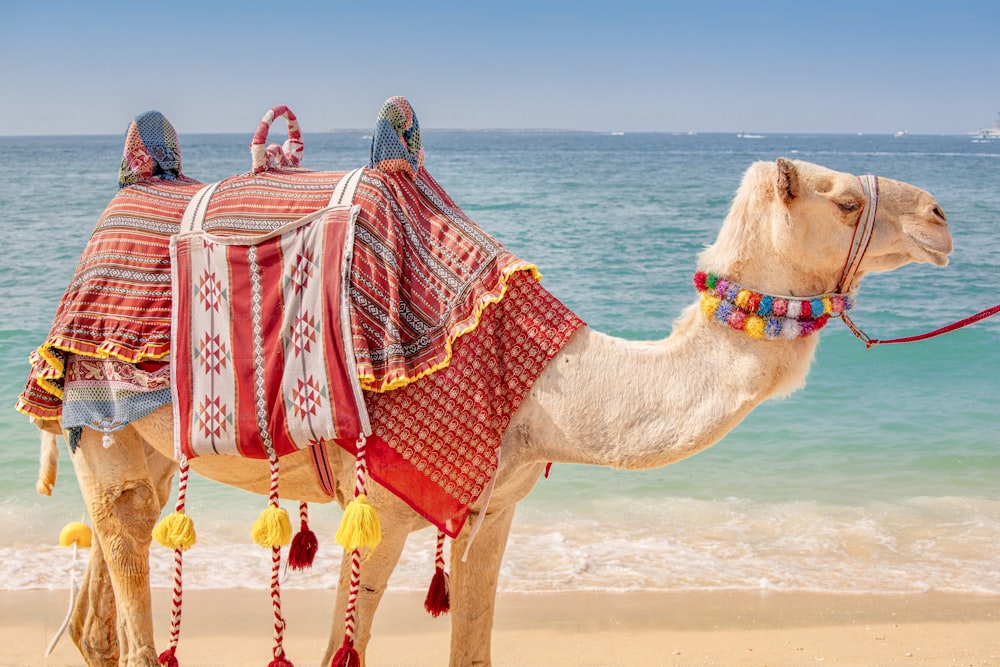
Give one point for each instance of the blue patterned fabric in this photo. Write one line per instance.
(151, 150)
(396, 144)
(108, 394)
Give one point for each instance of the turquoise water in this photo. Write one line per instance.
(881, 475)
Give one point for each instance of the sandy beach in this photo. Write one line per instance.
(232, 627)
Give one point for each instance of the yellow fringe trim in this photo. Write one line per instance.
(175, 531)
(49, 387)
(27, 410)
(57, 370)
(45, 352)
(495, 295)
(368, 381)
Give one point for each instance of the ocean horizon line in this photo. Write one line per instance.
(747, 134)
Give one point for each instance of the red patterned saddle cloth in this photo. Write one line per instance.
(432, 298)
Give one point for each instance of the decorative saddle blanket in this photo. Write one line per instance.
(261, 328)
(432, 298)
(423, 273)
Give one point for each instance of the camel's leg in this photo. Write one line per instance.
(397, 521)
(94, 626)
(474, 587)
(124, 504)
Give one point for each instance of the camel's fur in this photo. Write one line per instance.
(601, 401)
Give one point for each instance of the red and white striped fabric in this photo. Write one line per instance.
(260, 324)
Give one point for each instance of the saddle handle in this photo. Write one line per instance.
(288, 155)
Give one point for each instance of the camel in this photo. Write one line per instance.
(601, 401)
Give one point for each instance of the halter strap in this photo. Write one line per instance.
(862, 233)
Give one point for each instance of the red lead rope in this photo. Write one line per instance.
(872, 342)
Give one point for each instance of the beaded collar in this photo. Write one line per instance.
(763, 316)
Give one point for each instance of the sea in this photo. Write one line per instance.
(882, 475)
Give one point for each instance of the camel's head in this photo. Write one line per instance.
(791, 227)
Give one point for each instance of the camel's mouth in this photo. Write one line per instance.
(932, 251)
(929, 235)
(938, 258)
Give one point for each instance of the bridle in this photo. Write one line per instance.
(862, 233)
(859, 245)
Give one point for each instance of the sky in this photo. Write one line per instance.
(920, 66)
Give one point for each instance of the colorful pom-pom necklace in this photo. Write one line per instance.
(763, 316)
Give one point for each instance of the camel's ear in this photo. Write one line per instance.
(788, 180)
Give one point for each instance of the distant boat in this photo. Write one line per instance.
(744, 135)
(988, 133)
(617, 134)
(901, 133)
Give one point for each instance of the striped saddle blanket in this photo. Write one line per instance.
(432, 298)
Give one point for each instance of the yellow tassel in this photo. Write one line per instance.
(175, 532)
(360, 526)
(272, 528)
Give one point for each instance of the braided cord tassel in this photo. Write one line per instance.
(438, 600)
(305, 544)
(169, 657)
(347, 655)
(280, 660)
(273, 529)
(359, 528)
(360, 525)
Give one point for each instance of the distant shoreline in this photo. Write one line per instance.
(445, 130)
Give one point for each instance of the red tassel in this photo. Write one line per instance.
(280, 662)
(167, 658)
(346, 656)
(438, 601)
(303, 549)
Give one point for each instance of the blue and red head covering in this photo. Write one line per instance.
(396, 144)
(151, 150)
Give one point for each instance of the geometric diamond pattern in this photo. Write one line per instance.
(301, 270)
(213, 353)
(210, 291)
(307, 397)
(213, 415)
(303, 334)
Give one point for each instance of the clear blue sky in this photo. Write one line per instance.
(700, 65)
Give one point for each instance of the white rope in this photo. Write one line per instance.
(482, 513)
(74, 590)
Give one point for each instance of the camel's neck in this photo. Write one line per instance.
(624, 404)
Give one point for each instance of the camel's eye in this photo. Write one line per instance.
(848, 205)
